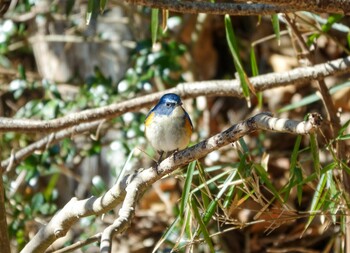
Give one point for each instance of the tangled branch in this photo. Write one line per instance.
(129, 190)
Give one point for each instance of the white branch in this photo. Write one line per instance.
(185, 90)
(132, 186)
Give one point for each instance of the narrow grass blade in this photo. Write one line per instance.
(229, 196)
(294, 157)
(89, 11)
(344, 137)
(243, 145)
(266, 180)
(292, 167)
(298, 180)
(210, 211)
(332, 19)
(255, 72)
(214, 203)
(233, 45)
(202, 225)
(204, 192)
(276, 27)
(208, 182)
(103, 4)
(187, 187)
(343, 129)
(316, 200)
(312, 98)
(69, 7)
(154, 25)
(314, 176)
(314, 153)
(165, 16)
(166, 234)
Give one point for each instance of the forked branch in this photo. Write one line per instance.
(129, 190)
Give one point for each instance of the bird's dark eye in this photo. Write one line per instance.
(168, 104)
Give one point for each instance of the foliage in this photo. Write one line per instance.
(264, 186)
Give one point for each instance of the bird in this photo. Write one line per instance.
(168, 127)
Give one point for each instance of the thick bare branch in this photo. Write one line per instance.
(185, 90)
(320, 6)
(132, 186)
(245, 8)
(196, 7)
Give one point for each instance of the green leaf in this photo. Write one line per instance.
(316, 200)
(294, 157)
(89, 11)
(264, 176)
(213, 204)
(254, 65)
(208, 182)
(202, 225)
(293, 167)
(204, 181)
(229, 196)
(154, 25)
(298, 181)
(165, 17)
(51, 186)
(276, 27)
(166, 234)
(233, 45)
(343, 129)
(344, 137)
(103, 4)
(315, 152)
(312, 98)
(187, 187)
(332, 19)
(22, 72)
(210, 211)
(69, 7)
(255, 72)
(37, 201)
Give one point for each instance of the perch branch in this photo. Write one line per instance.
(185, 90)
(132, 186)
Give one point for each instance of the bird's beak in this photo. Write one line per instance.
(180, 103)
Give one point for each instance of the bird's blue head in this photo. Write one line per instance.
(167, 104)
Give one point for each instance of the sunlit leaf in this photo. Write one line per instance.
(202, 225)
(154, 25)
(315, 152)
(187, 187)
(103, 4)
(165, 16)
(316, 199)
(276, 27)
(89, 11)
(312, 98)
(266, 180)
(233, 45)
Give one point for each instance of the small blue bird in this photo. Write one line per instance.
(168, 127)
